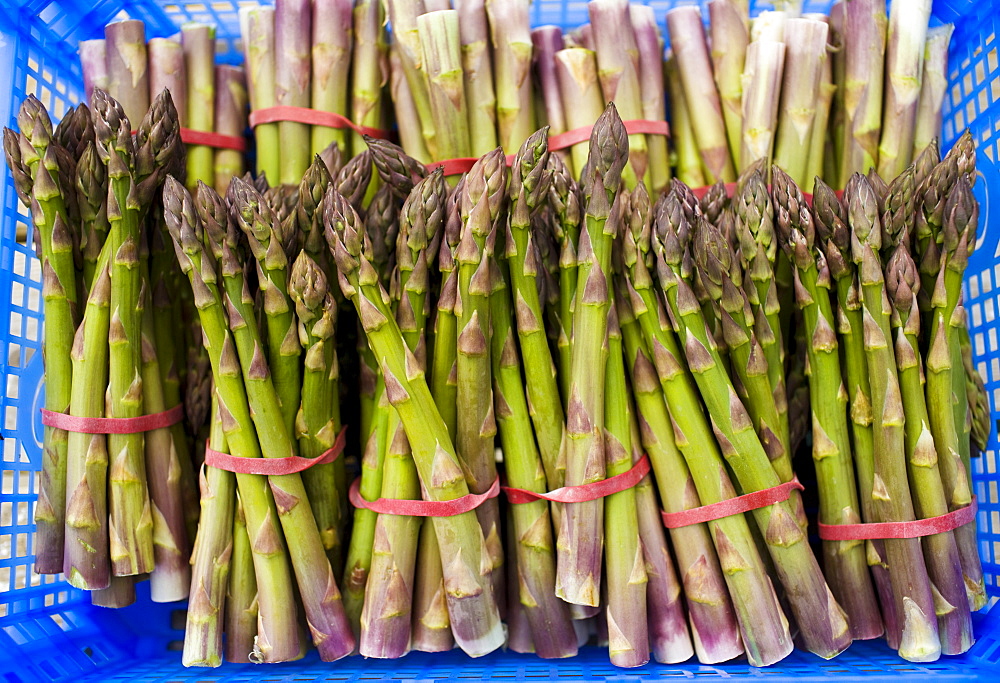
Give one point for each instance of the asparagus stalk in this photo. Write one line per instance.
(332, 38)
(801, 95)
(822, 623)
(728, 29)
(518, 630)
(580, 89)
(86, 563)
(408, 120)
(241, 594)
(199, 65)
(131, 523)
(686, 148)
(292, 34)
(628, 636)
(510, 32)
(944, 565)
(477, 68)
(257, 29)
(398, 171)
(128, 78)
(564, 204)
(166, 70)
(582, 525)
(762, 76)
(442, 61)
(904, 66)
(687, 40)
(819, 137)
(369, 66)
(213, 563)
(317, 422)
(94, 65)
(618, 68)
(121, 593)
(548, 618)
(444, 374)
(529, 186)
(864, 47)
(431, 628)
(713, 622)
(891, 497)
(932, 88)
(230, 119)
(472, 606)
(649, 43)
(546, 42)
(769, 25)
(831, 228)
(845, 561)
(944, 362)
(404, 19)
(482, 201)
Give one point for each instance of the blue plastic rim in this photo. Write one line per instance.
(50, 632)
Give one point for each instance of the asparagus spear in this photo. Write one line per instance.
(199, 65)
(332, 37)
(166, 70)
(564, 205)
(932, 88)
(891, 496)
(257, 29)
(128, 77)
(510, 33)
(397, 170)
(576, 69)
(904, 66)
(823, 625)
(650, 46)
(86, 562)
(241, 594)
(292, 34)
(403, 16)
(431, 628)
(442, 62)
(944, 565)
(369, 66)
(477, 67)
(628, 637)
(355, 177)
(94, 65)
(408, 120)
(230, 119)
(864, 47)
(728, 29)
(213, 563)
(762, 76)
(547, 41)
(688, 158)
(819, 139)
(472, 606)
(581, 532)
(687, 40)
(845, 561)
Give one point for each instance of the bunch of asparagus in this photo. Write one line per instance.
(208, 97)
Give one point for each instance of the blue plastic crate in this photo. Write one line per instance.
(49, 631)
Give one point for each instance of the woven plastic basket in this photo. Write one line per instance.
(49, 631)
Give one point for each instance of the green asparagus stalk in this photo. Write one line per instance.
(199, 65)
(628, 636)
(864, 47)
(891, 495)
(431, 628)
(241, 595)
(650, 46)
(215, 572)
(128, 77)
(690, 49)
(845, 561)
(801, 95)
(529, 186)
(403, 16)
(546, 42)
(442, 61)
(86, 562)
(483, 199)
(292, 43)
(257, 29)
(762, 80)
(397, 170)
(332, 38)
(477, 67)
(580, 89)
(904, 66)
(932, 88)
(472, 606)
(317, 422)
(369, 67)
(822, 622)
(549, 621)
(510, 32)
(131, 523)
(92, 198)
(408, 122)
(819, 137)
(686, 148)
(728, 29)
(444, 374)
(230, 119)
(944, 565)
(944, 363)
(581, 534)
(618, 68)
(564, 203)
(34, 168)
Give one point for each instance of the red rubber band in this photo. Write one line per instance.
(460, 165)
(582, 134)
(913, 529)
(312, 117)
(274, 466)
(584, 492)
(422, 508)
(112, 425)
(217, 140)
(732, 506)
